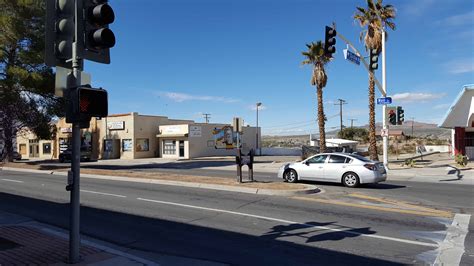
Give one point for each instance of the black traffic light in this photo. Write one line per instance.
(96, 38)
(59, 32)
(392, 117)
(86, 102)
(400, 115)
(373, 59)
(330, 41)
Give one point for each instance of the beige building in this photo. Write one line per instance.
(30, 147)
(197, 140)
(133, 136)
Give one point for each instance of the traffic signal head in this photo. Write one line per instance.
(373, 59)
(92, 102)
(400, 115)
(85, 102)
(391, 115)
(330, 41)
(96, 38)
(59, 32)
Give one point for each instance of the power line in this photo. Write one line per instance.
(341, 102)
(299, 123)
(207, 116)
(352, 121)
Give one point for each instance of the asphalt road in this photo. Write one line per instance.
(246, 229)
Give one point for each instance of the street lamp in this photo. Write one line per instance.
(256, 142)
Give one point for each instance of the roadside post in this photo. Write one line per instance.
(76, 30)
(237, 124)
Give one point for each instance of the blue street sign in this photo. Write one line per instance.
(348, 55)
(385, 100)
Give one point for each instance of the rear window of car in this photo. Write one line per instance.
(362, 158)
(337, 159)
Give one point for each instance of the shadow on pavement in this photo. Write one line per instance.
(362, 186)
(188, 240)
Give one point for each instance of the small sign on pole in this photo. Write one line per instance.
(350, 56)
(384, 132)
(384, 100)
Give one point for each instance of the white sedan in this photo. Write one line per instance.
(348, 169)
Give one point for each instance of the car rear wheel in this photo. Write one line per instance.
(291, 176)
(350, 179)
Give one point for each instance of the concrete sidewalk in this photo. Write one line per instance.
(26, 242)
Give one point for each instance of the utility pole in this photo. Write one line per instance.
(341, 102)
(352, 121)
(412, 121)
(207, 116)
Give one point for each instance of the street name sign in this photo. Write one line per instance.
(384, 100)
(350, 56)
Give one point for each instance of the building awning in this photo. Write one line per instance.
(172, 135)
(461, 111)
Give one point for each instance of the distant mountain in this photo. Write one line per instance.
(420, 129)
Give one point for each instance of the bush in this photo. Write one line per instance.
(355, 133)
(461, 160)
(409, 162)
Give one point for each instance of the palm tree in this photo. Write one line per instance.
(373, 40)
(315, 56)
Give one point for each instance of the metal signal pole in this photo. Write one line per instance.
(74, 220)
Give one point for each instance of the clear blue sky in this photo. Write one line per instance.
(182, 58)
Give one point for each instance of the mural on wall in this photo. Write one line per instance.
(224, 137)
(142, 145)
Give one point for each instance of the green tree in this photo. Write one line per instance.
(373, 40)
(360, 134)
(26, 83)
(315, 56)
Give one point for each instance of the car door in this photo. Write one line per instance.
(313, 168)
(335, 167)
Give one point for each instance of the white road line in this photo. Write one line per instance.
(11, 180)
(102, 193)
(452, 248)
(293, 222)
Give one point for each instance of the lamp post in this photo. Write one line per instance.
(256, 141)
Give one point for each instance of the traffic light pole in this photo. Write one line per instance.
(74, 218)
(384, 122)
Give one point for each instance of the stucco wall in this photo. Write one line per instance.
(203, 146)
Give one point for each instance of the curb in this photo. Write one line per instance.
(260, 191)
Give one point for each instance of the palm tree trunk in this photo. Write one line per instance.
(322, 133)
(372, 141)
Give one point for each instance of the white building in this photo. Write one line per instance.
(460, 119)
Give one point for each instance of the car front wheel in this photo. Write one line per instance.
(350, 179)
(291, 176)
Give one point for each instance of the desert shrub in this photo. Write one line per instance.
(461, 159)
(409, 162)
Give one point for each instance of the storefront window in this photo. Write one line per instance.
(169, 147)
(142, 145)
(46, 148)
(127, 145)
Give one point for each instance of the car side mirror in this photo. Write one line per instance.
(306, 162)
